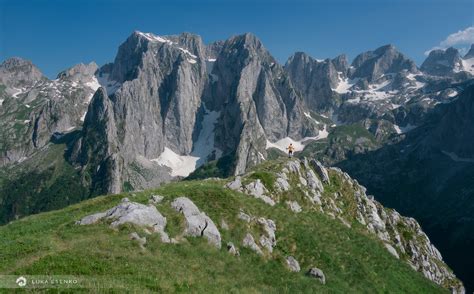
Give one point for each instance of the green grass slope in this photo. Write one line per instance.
(353, 260)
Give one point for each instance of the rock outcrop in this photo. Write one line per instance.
(146, 216)
(401, 236)
(198, 224)
(293, 264)
(318, 274)
(249, 242)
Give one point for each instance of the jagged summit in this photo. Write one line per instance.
(470, 53)
(371, 65)
(79, 72)
(442, 62)
(17, 72)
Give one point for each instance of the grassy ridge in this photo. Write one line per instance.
(353, 261)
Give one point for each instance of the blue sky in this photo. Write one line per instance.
(57, 34)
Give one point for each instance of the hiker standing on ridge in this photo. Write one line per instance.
(290, 150)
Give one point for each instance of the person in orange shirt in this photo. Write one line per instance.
(290, 150)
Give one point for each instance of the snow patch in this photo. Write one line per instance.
(154, 38)
(204, 145)
(453, 93)
(18, 92)
(418, 85)
(110, 86)
(183, 165)
(343, 85)
(308, 115)
(83, 117)
(405, 129)
(180, 165)
(211, 59)
(282, 144)
(192, 61)
(185, 51)
(468, 65)
(93, 84)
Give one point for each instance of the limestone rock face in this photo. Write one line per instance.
(99, 148)
(316, 78)
(256, 100)
(163, 90)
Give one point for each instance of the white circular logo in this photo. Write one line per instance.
(21, 281)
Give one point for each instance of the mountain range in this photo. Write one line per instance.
(171, 107)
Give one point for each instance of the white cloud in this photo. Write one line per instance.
(460, 39)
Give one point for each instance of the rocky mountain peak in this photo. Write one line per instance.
(341, 63)
(314, 78)
(16, 72)
(247, 41)
(442, 62)
(80, 72)
(386, 59)
(470, 53)
(384, 49)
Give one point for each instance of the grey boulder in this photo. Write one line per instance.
(294, 206)
(133, 213)
(232, 249)
(91, 219)
(293, 264)
(318, 274)
(198, 224)
(258, 190)
(249, 242)
(320, 170)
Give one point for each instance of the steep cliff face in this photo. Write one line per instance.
(256, 99)
(315, 79)
(155, 86)
(99, 147)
